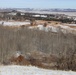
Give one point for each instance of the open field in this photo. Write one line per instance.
(48, 43)
(49, 12)
(38, 37)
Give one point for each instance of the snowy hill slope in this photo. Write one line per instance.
(30, 70)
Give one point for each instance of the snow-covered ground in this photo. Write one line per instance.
(30, 70)
(49, 12)
(54, 28)
(13, 23)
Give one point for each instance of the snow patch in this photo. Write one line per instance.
(8, 23)
(51, 28)
(31, 70)
(41, 27)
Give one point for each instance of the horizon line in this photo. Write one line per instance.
(31, 8)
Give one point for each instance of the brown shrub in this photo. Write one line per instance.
(20, 60)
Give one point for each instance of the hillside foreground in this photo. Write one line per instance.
(31, 70)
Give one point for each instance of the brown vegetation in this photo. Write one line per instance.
(20, 60)
(57, 48)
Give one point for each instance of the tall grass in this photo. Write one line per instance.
(24, 40)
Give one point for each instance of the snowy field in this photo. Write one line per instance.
(50, 12)
(54, 28)
(30, 70)
(14, 23)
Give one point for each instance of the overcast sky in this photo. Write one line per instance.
(38, 4)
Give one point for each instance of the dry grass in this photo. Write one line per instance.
(61, 47)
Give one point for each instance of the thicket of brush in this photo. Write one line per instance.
(24, 40)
